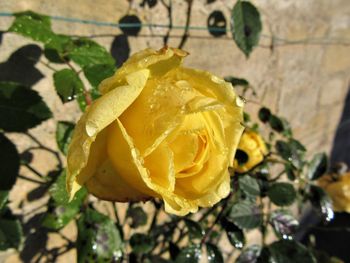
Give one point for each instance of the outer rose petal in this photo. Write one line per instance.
(158, 62)
(97, 117)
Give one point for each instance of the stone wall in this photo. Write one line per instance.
(304, 77)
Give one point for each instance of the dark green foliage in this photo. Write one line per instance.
(190, 254)
(234, 234)
(87, 53)
(9, 164)
(321, 202)
(282, 194)
(246, 26)
(214, 254)
(318, 166)
(288, 251)
(283, 223)
(141, 243)
(137, 215)
(249, 185)
(249, 254)
(64, 133)
(246, 215)
(264, 114)
(98, 238)
(33, 25)
(60, 211)
(195, 230)
(68, 84)
(11, 233)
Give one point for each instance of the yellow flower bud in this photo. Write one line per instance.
(158, 130)
(339, 191)
(250, 152)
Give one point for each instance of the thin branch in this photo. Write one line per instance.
(187, 26)
(221, 213)
(30, 179)
(170, 14)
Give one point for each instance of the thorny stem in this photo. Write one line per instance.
(223, 209)
(115, 213)
(87, 95)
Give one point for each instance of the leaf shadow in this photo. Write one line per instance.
(20, 66)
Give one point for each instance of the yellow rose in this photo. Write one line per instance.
(158, 130)
(250, 152)
(339, 191)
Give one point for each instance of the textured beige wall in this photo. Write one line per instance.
(304, 79)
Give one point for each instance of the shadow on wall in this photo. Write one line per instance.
(332, 238)
(20, 67)
(341, 144)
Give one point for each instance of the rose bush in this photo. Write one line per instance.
(339, 190)
(158, 130)
(250, 152)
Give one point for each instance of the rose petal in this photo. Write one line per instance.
(99, 115)
(158, 62)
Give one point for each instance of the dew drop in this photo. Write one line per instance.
(239, 101)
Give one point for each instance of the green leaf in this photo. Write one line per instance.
(195, 230)
(9, 163)
(246, 215)
(58, 190)
(87, 53)
(141, 243)
(20, 108)
(237, 81)
(98, 238)
(264, 114)
(68, 84)
(11, 233)
(289, 171)
(97, 72)
(190, 254)
(234, 234)
(292, 151)
(249, 185)
(214, 254)
(318, 166)
(249, 255)
(33, 25)
(58, 48)
(276, 123)
(282, 194)
(246, 117)
(137, 215)
(60, 210)
(288, 251)
(64, 133)
(4, 195)
(246, 26)
(284, 149)
(283, 223)
(322, 202)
